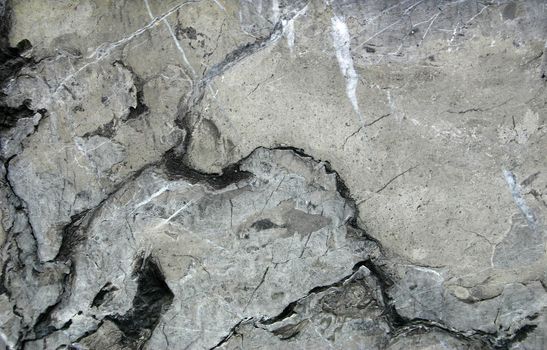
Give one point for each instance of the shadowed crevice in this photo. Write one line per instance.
(152, 299)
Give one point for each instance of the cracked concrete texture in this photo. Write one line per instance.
(244, 174)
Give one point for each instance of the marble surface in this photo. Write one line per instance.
(344, 174)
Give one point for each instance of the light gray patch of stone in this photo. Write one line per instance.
(101, 153)
(349, 315)
(217, 275)
(11, 139)
(85, 148)
(421, 294)
(521, 246)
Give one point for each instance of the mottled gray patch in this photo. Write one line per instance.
(303, 223)
(521, 246)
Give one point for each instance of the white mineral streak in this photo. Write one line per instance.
(219, 5)
(516, 193)
(341, 40)
(288, 28)
(177, 44)
(289, 32)
(275, 11)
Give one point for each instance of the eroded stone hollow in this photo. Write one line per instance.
(273, 174)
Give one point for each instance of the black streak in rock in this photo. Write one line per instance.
(152, 299)
(342, 189)
(289, 309)
(248, 49)
(102, 295)
(176, 168)
(10, 57)
(10, 115)
(263, 224)
(106, 130)
(43, 325)
(11, 63)
(141, 107)
(72, 236)
(230, 334)
(385, 282)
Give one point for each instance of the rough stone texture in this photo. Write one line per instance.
(347, 316)
(273, 174)
(208, 243)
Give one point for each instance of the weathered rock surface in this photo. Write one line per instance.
(269, 174)
(252, 246)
